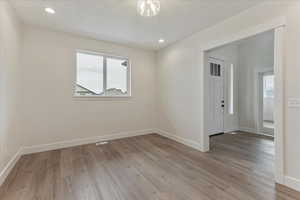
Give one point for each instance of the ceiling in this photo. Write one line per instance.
(118, 20)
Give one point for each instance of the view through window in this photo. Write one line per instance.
(101, 75)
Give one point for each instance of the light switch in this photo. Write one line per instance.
(294, 103)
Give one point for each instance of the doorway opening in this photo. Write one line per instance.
(265, 102)
(235, 101)
(240, 82)
(268, 101)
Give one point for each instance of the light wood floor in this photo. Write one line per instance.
(150, 167)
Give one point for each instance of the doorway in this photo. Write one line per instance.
(278, 26)
(265, 110)
(240, 86)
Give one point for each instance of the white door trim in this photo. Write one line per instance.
(278, 25)
(279, 104)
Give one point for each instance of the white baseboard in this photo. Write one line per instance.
(254, 131)
(231, 130)
(248, 130)
(82, 141)
(288, 181)
(292, 183)
(64, 144)
(181, 140)
(9, 166)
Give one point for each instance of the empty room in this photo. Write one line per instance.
(149, 99)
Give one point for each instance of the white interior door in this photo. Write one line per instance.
(216, 96)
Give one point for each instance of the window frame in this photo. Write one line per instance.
(231, 96)
(105, 56)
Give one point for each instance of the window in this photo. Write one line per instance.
(231, 90)
(268, 81)
(215, 69)
(101, 75)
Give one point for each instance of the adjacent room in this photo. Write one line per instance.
(149, 99)
(240, 102)
(240, 86)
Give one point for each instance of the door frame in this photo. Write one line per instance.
(258, 106)
(278, 25)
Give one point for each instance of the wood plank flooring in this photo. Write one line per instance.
(151, 167)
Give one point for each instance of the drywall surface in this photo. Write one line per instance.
(268, 114)
(180, 77)
(51, 113)
(10, 43)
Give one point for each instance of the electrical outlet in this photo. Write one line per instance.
(294, 102)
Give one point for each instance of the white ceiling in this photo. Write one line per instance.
(118, 20)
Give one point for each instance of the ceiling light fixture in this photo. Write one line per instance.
(161, 40)
(148, 8)
(50, 10)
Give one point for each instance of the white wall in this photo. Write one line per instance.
(229, 54)
(10, 41)
(268, 114)
(51, 113)
(255, 54)
(179, 73)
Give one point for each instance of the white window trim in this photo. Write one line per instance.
(104, 55)
(231, 110)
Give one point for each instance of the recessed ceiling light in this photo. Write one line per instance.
(50, 10)
(161, 40)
